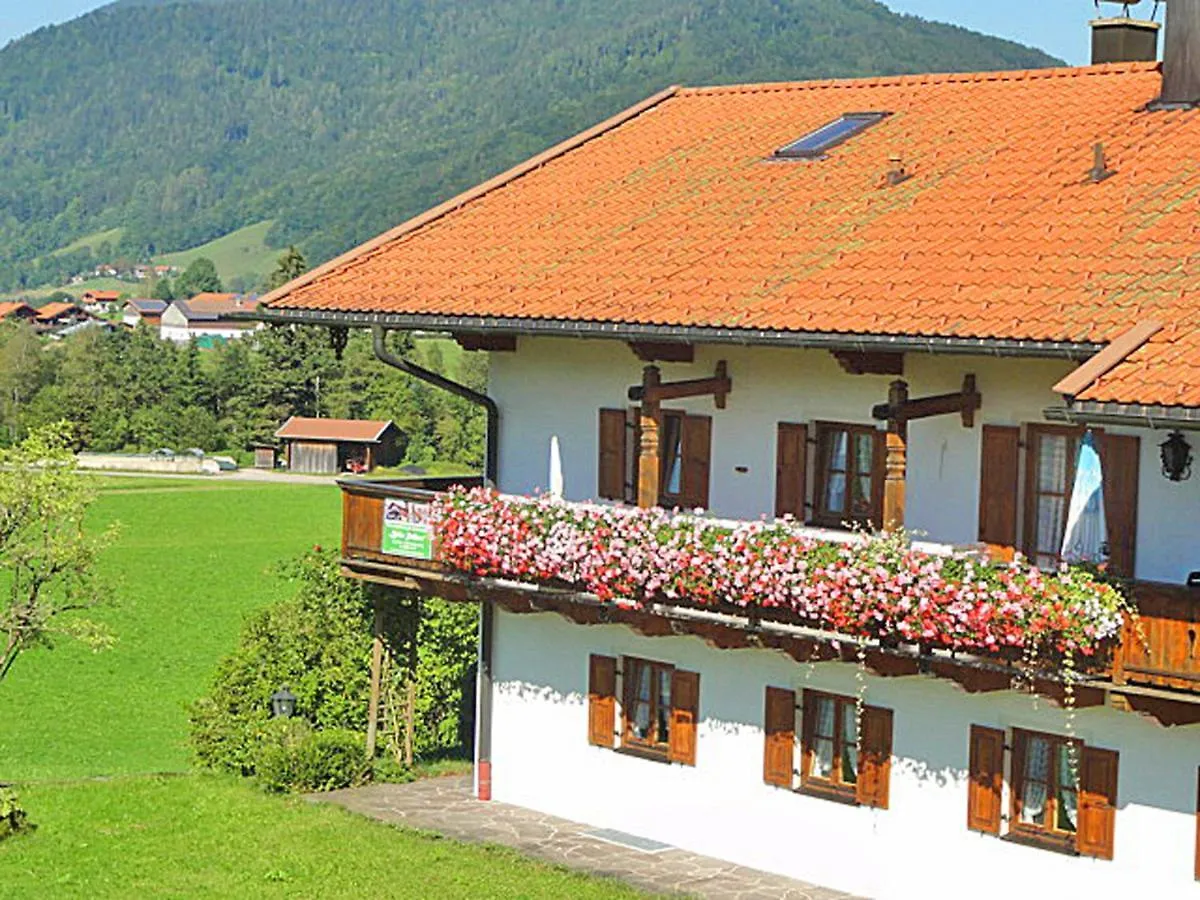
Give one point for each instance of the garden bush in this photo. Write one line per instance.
(294, 757)
(318, 644)
(13, 818)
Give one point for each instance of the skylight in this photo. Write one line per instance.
(840, 130)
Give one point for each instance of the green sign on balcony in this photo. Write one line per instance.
(406, 530)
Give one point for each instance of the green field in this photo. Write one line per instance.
(84, 735)
(91, 241)
(240, 253)
(192, 559)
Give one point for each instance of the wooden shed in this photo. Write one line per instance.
(330, 446)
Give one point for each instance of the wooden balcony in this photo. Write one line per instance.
(1159, 654)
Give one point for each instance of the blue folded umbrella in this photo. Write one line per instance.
(1086, 535)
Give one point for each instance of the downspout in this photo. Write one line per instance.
(492, 453)
(483, 686)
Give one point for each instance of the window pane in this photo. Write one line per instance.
(664, 706)
(837, 451)
(1052, 463)
(1067, 814)
(1050, 524)
(641, 707)
(672, 451)
(835, 493)
(823, 718)
(822, 765)
(1037, 772)
(850, 743)
(860, 504)
(864, 453)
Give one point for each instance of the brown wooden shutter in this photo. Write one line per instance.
(779, 732)
(791, 470)
(1097, 802)
(875, 757)
(1121, 454)
(697, 451)
(612, 455)
(602, 700)
(685, 716)
(985, 779)
(998, 487)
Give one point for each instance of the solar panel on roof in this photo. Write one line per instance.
(840, 130)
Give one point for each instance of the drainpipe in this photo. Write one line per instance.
(492, 453)
(483, 687)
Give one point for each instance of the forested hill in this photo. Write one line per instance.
(179, 122)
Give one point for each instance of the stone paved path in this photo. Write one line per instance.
(445, 805)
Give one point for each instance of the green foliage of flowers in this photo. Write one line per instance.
(295, 757)
(13, 818)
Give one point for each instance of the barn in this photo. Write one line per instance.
(330, 446)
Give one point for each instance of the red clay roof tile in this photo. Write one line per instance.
(676, 214)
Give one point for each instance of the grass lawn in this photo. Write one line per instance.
(242, 252)
(191, 560)
(211, 836)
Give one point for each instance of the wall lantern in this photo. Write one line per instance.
(1176, 457)
(283, 704)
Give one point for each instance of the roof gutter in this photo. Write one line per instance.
(492, 454)
(1087, 412)
(686, 334)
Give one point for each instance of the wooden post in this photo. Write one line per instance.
(648, 463)
(895, 463)
(376, 679)
(410, 717)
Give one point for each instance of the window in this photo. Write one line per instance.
(1052, 455)
(647, 705)
(816, 143)
(849, 475)
(1045, 774)
(830, 743)
(670, 485)
(685, 449)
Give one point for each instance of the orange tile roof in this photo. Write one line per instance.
(102, 296)
(15, 307)
(352, 430)
(53, 310)
(676, 215)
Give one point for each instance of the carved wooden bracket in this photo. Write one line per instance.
(654, 391)
(965, 402)
(870, 362)
(495, 343)
(662, 351)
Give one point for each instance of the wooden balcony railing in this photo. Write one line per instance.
(384, 530)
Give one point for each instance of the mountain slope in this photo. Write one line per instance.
(336, 118)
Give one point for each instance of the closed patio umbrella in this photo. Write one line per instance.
(556, 470)
(1086, 536)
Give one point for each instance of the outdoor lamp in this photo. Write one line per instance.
(1176, 457)
(283, 704)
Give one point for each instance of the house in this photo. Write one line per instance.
(59, 314)
(330, 446)
(100, 302)
(208, 316)
(913, 302)
(16, 311)
(140, 309)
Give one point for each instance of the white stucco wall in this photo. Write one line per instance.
(554, 386)
(918, 848)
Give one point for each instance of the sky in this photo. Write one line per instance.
(1057, 26)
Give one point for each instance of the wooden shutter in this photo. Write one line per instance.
(697, 451)
(875, 757)
(779, 733)
(998, 487)
(791, 470)
(685, 715)
(1121, 454)
(1097, 802)
(602, 700)
(985, 779)
(612, 455)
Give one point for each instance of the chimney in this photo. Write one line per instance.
(1123, 39)
(1181, 59)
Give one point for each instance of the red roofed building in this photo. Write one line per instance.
(330, 446)
(15, 311)
(960, 307)
(59, 314)
(100, 301)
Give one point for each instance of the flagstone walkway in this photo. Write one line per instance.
(445, 805)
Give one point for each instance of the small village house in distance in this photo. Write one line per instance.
(16, 311)
(963, 305)
(330, 446)
(139, 309)
(207, 317)
(100, 302)
(59, 314)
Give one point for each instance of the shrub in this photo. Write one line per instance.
(13, 818)
(296, 758)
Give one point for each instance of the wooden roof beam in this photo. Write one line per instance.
(663, 351)
(652, 391)
(966, 402)
(870, 362)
